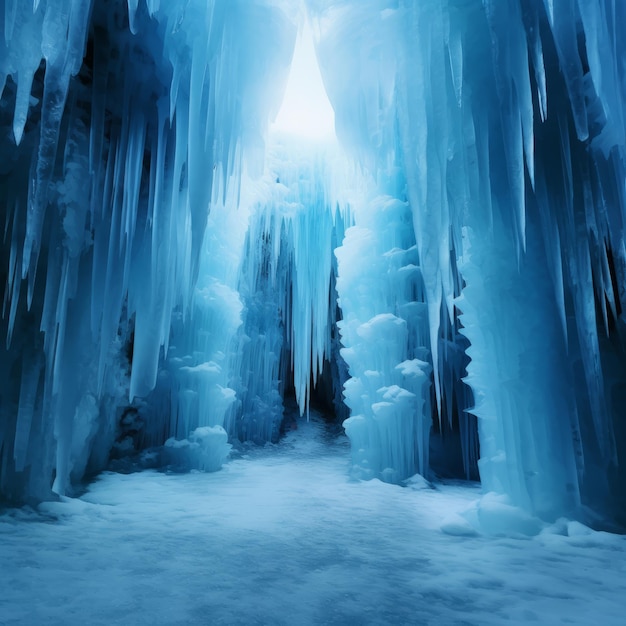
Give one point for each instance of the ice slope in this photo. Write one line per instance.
(283, 537)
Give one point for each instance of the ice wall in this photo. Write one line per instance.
(120, 120)
(507, 121)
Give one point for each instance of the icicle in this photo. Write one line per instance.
(153, 6)
(14, 290)
(132, 15)
(536, 54)
(28, 398)
(22, 103)
(10, 13)
(564, 31)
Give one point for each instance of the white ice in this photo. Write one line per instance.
(281, 536)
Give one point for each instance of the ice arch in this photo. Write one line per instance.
(488, 226)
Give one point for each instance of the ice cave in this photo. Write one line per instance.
(312, 312)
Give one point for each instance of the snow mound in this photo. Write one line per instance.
(205, 449)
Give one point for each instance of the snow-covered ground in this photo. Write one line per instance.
(282, 536)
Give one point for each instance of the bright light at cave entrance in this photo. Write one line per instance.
(305, 110)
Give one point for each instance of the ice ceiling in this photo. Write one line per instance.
(452, 276)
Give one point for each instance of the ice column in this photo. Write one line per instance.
(383, 333)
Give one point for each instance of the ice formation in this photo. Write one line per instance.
(171, 274)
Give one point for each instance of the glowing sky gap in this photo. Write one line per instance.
(306, 110)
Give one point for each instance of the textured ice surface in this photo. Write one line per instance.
(383, 330)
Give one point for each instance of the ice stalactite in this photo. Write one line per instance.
(120, 120)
